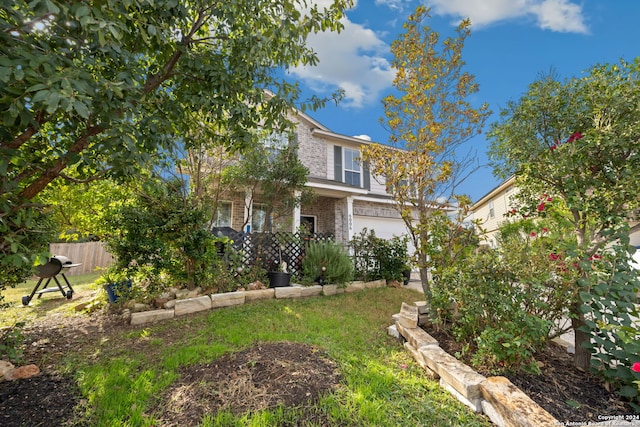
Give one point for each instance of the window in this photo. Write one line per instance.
(277, 140)
(352, 167)
(223, 215)
(348, 168)
(258, 218)
(492, 212)
(308, 223)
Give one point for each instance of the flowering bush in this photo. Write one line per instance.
(504, 301)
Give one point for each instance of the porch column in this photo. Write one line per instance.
(297, 210)
(248, 209)
(349, 218)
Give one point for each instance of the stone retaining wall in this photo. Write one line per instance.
(496, 397)
(207, 302)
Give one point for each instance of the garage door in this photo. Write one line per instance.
(385, 228)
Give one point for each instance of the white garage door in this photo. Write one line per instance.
(385, 228)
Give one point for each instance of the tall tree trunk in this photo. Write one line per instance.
(582, 356)
(426, 285)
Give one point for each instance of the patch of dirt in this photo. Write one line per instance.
(42, 401)
(261, 377)
(569, 394)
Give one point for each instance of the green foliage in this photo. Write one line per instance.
(327, 262)
(80, 210)
(576, 141)
(377, 258)
(95, 89)
(611, 309)
(505, 300)
(510, 346)
(164, 233)
(11, 340)
(366, 266)
(24, 242)
(275, 176)
(430, 122)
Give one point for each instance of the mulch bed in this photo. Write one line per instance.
(42, 401)
(569, 394)
(262, 377)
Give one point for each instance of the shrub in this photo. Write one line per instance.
(11, 341)
(505, 300)
(366, 265)
(392, 257)
(377, 258)
(327, 262)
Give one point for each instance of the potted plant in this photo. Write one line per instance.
(115, 283)
(281, 277)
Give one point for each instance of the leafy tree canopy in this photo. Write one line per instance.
(96, 87)
(574, 143)
(430, 121)
(577, 140)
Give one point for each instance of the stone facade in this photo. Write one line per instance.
(323, 208)
(312, 152)
(379, 210)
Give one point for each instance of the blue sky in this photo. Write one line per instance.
(512, 42)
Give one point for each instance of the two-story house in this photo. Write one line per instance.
(347, 197)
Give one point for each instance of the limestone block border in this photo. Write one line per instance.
(496, 397)
(196, 304)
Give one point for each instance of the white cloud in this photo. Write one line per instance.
(353, 60)
(363, 137)
(554, 15)
(393, 4)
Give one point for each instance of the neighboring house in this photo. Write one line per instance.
(347, 198)
(490, 210)
(492, 207)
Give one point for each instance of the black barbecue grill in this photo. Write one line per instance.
(56, 265)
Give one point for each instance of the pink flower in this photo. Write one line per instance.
(541, 207)
(554, 257)
(549, 199)
(533, 234)
(635, 367)
(545, 230)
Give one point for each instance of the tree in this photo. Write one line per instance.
(271, 172)
(575, 144)
(79, 210)
(100, 87)
(429, 123)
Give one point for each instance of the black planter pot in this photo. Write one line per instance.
(407, 276)
(279, 279)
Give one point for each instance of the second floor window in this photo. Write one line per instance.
(352, 167)
(276, 141)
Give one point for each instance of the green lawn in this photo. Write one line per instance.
(123, 374)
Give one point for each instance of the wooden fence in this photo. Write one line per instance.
(92, 255)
